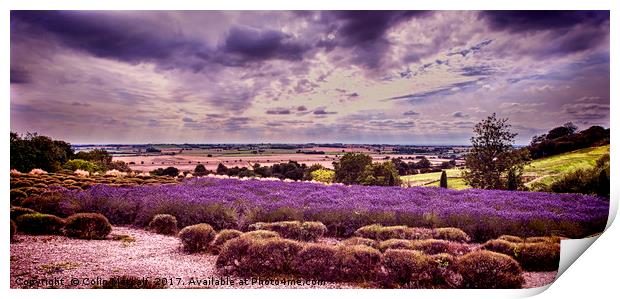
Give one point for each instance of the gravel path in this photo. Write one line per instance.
(57, 261)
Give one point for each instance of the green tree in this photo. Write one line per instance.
(200, 170)
(350, 167)
(443, 181)
(492, 156)
(323, 175)
(76, 164)
(37, 151)
(380, 174)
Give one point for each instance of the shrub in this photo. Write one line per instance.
(87, 226)
(509, 238)
(432, 246)
(50, 202)
(273, 256)
(407, 267)
(323, 175)
(369, 231)
(542, 256)
(553, 239)
(501, 246)
(489, 270)
(13, 229)
(223, 236)
(18, 211)
(357, 262)
(444, 273)
(196, 238)
(131, 282)
(17, 196)
(233, 255)
(164, 224)
(316, 261)
(303, 231)
(450, 234)
(360, 241)
(395, 244)
(39, 224)
(261, 234)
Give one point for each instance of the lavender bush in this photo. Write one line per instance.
(231, 203)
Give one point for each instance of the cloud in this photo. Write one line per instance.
(459, 114)
(473, 49)
(188, 120)
(19, 76)
(321, 111)
(301, 108)
(442, 91)
(411, 113)
(280, 111)
(251, 44)
(523, 20)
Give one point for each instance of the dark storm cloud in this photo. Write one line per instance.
(523, 20)
(364, 32)
(250, 44)
(121, 38)
(19, 76)
(473, 49)
(459, 114)
(321, 111)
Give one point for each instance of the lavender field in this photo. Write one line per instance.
(232, 203)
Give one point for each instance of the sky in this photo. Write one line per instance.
(385, 77)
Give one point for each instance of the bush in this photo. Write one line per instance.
(407, 267)
(39, 224)
(357, 262)
(489, 270)
(432, 246)
(323, 175)
(13, 229)
(18, 211)
(501, 246)
(539, 256)
(17, 196)
(378, 232)
(509, 238)
(316, 261)
(164, 224)
(223, 236)
(196, 238)
(50, 202)
(250, 256)
(261, 234)
(395, 244)
(450, 234)
(553, 239)
(303, 231)
(273, 256)
(130, 282)
(360, 241)
(87, 226)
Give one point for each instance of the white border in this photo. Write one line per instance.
(594, 273)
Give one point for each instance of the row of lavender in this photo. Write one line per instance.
(228, 203)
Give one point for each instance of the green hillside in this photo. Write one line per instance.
(539, 172)
(547, 170)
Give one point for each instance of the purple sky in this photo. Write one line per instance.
(279, 76)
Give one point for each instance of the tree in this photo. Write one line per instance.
(221, 169)
(380, 174)
(76, 164)
(492, 155)
(566, 129)
(200, 170)
(423, 163)
(323, 175)
(350, 167)
(443, 181)
(37, 151)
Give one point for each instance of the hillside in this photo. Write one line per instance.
(539, 172)
(547, 170)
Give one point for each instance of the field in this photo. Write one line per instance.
(542, 171)
(547, 170)
(187, 161)
(293, 230)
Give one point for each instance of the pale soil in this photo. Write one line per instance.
(150, 255)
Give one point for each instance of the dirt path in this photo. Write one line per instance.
(41, 261)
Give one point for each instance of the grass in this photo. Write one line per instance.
(432, 179)
(547, 170)
(542, 171)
